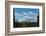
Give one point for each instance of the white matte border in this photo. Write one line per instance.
(29, 28)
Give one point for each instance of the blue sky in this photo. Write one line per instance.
(22, 14)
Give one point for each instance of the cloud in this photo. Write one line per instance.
(17, 14)
(25, 13)
(31, 13)
(26, 16)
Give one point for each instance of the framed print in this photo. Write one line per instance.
(24, 17)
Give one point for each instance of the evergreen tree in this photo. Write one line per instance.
(13, 17)
(38, 19)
